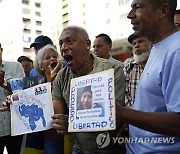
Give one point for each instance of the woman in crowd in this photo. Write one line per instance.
(47, 64)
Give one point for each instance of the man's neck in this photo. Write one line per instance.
(164, 33)
(86, 68)
(142, 63)
(107, 57)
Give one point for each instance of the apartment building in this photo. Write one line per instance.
(23, 20)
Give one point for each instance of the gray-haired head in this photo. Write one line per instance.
(81, 32)
(40, 55)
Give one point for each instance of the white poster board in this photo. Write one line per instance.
(31, 110)
(92, 103)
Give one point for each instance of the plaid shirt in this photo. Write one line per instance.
(132, 72)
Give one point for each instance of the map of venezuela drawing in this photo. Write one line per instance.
(31, 110)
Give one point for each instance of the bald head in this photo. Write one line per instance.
(75, 49)
(79, 31)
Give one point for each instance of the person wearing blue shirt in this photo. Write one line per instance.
(155, 118)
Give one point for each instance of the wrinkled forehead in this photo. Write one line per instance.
(68, 33)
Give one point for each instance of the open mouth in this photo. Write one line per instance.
(53, 64)
(68, 58)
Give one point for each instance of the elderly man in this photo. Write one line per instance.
(26, 63)
(8, 70)
(102, 46)
(155, 116)
(135, 66)
(75, 49)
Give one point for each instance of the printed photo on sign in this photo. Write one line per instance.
(92, 103)
(86, 105)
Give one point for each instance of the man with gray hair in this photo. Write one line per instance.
(75, 49)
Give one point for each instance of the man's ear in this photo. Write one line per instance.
(88, 44)
(165, 9)
(110, 46)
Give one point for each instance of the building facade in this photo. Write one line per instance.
(23, 20)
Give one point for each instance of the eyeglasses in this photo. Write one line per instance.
(177, 24)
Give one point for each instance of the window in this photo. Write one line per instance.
(27, 39)
(66, 14)
(65, 6)
(65, 17)
(26, 49)
(27, 31)
(38, 32)
(65, 24)
(38, 5)
(38, 14)
(26, 2)
(38, 23)
(26, 11)
(26, 20)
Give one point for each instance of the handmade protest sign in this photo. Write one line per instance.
(31, 110)
(92, 103)
(23, 83)
(16, 84)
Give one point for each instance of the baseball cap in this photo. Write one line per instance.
(41, 40)
(21, 58)
(132, 37)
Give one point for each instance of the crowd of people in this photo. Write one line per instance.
(146, 86)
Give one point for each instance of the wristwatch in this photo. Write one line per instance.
(5, 84)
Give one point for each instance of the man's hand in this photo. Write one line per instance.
(60, 123)
(6, 104)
